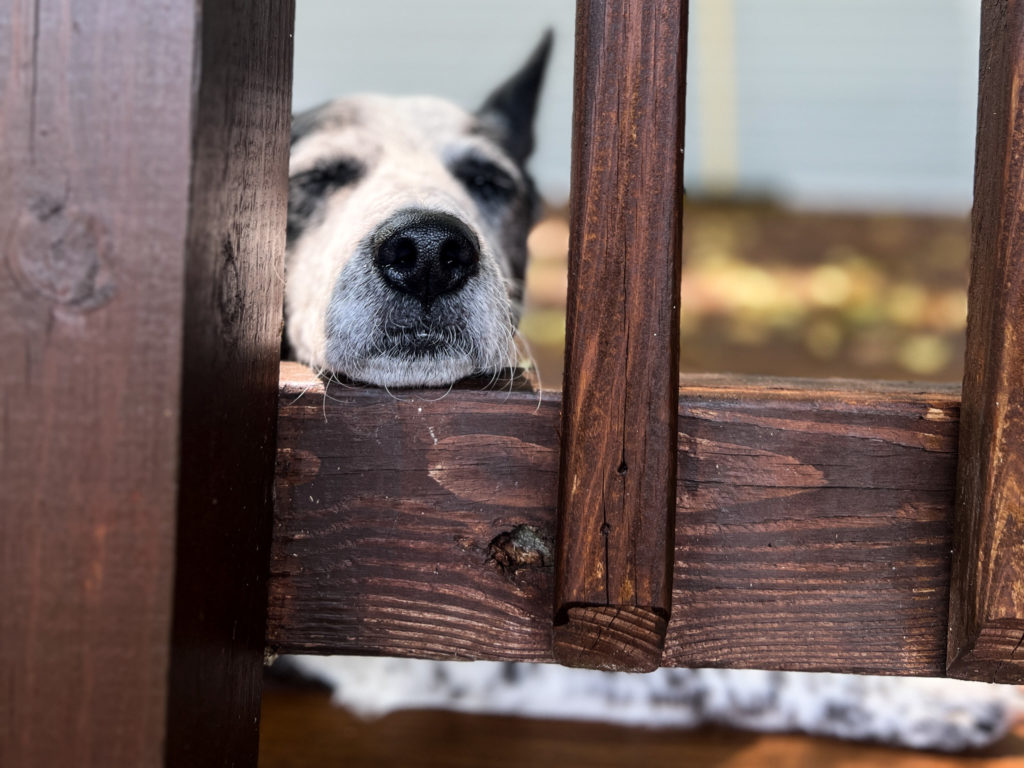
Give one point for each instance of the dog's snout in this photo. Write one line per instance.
(427, 257)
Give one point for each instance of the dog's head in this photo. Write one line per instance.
(407, 225)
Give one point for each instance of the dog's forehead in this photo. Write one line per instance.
(368, 123)
(425, 116)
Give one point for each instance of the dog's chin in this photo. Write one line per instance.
(421, 360)
(412, 352)
(412, 370)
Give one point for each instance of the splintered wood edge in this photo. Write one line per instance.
(610, 637)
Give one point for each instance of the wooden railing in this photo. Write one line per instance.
(813, 524)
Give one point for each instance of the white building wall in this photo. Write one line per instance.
(826, 103)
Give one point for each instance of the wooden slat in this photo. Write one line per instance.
(986, 637)
(613, 553)
(129, 150)
(232, 341)
(813, 526)
(94, 205)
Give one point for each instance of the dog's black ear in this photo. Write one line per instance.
(510, 109)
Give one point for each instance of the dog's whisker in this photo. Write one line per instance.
(278, 274)
(393, 396)
(442, 397)
(327, 378)
(303, 392)
(323, 402)
(524, 347)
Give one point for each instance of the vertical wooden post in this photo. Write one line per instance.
(143, 162)
(986, 623)
(233, 300)
(618, 474)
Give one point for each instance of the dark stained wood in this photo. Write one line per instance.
(986, 632)
(813, 526)
(94, 175)
(613, 560)
(125, 139)
(419, 526)
(232, 342)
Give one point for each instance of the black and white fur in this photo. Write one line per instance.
(407, 226)
(368, 171)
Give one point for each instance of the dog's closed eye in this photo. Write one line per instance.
(486, 181)
(308, 189)
(323, 178)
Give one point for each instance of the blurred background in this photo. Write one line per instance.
(828, 172)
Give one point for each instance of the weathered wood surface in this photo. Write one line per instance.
(119, 183)
(986, 633)
(813, 526)
(613, 565)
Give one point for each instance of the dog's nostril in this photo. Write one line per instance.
(457, 252)
(431, 255)
(400, 253)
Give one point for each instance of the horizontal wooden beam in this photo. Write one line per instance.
(813, 524)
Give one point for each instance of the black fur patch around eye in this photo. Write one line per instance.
(485, 181)
(308, 190)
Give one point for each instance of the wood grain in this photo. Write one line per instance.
(986, 633)
(613, 552)
(232, 340)
(120, 132)
(420, 526)
(813, 527)
(95, 156)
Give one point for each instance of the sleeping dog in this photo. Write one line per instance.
(407, 225)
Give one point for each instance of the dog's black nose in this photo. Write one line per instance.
(428, 256)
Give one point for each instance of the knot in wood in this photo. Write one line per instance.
(521, 547)
(62, 255)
